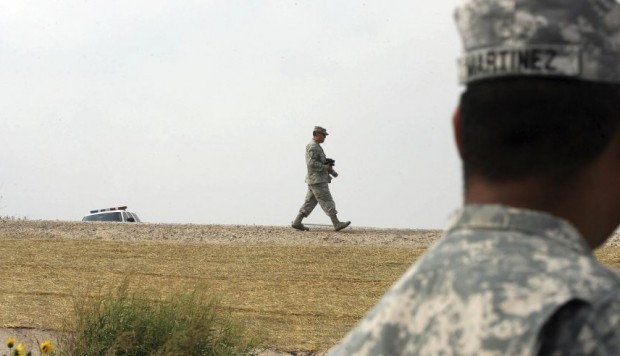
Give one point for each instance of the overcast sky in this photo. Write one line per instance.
(199, 111)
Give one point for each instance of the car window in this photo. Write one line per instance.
(135, 217)
(112, 216)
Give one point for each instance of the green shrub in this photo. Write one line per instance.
(121, 323)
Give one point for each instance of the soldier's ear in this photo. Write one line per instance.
(457, 124)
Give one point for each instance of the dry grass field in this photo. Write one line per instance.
(301, 290)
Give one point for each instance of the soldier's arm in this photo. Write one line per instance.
(314, 160)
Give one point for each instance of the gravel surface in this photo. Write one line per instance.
(225, 234)
(220, 234)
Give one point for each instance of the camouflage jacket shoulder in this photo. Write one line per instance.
(315, 162)
(487, 287)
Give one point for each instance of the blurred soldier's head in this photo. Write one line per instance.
(542, 98)
(319, 134)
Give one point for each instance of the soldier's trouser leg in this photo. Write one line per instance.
(309, 204)
(324, 197)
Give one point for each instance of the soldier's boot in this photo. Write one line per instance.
(339, 225)
(296, 224)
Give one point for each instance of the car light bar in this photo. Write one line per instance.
(109, 209)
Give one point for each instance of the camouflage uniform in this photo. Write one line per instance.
(317, 179)
(502, 281)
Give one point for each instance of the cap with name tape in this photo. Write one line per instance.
(579, 39)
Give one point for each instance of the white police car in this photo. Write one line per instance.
(118, 214)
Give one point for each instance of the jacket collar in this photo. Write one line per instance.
(500, 217)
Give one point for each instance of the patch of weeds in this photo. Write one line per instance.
(124, 323)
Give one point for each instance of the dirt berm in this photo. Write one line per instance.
(201, 234)
(211, 234)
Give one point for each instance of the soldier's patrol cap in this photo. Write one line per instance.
(319, 129)
(578, 39)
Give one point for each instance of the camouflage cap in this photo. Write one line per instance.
(579, 39)
(319, 129)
